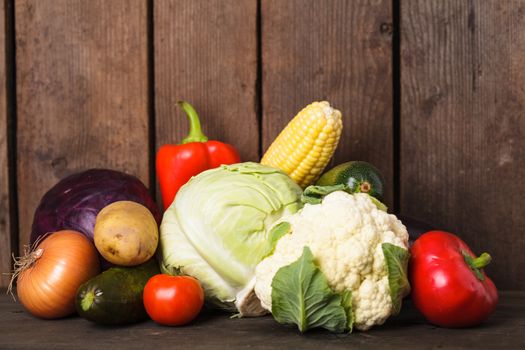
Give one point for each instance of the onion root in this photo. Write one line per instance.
(31, 254)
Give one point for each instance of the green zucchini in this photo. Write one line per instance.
(115, 296)
(359, 176)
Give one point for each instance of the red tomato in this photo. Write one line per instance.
(173, 300)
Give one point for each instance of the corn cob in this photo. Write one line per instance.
(304, 147)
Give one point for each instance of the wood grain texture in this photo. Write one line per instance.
(463, 125)
(206, 54)
(338, 51)
(5, 227)
(81, 92)
(408, 330)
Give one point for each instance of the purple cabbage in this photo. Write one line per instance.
(74, 202)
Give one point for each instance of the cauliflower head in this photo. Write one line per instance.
(346, 235)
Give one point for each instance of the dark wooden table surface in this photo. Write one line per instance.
(19, 330)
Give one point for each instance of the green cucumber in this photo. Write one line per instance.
(115, 296)
(359, 176)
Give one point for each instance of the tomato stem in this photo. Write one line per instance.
(195, 134)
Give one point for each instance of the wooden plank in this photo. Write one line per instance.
(5, 227)
(338, 51)
(82, 92)
(504, 329)
(463, 125)
(205, 53)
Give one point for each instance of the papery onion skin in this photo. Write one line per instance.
(47, 288)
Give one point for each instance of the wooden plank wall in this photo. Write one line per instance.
(5, 223)
(463, 124)
(97, 82)
(82, 92)
(206, 53)
(331, 50)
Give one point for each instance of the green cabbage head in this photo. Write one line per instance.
(221, 225)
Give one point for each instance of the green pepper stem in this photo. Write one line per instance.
(195, 134)
(481, 261)
(476, 264)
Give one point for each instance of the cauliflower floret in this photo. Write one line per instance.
(345, 233)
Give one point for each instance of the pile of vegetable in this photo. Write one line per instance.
(314, 249)
(87, 222)
(74, 202)
(220, 227)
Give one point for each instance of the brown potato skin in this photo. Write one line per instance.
(126, 233)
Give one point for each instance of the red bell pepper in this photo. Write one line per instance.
(449, 285)
(176, 164)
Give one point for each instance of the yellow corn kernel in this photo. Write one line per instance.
(306, 144)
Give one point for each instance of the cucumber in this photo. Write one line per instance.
(115, 296)
(359, 176)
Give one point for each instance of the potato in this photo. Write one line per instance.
(126, 233)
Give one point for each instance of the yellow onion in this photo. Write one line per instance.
(49, 274)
